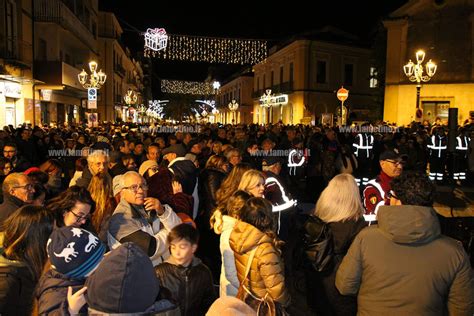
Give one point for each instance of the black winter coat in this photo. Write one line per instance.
(191, 287)
(322, 295)
(210, 180)
(17, 287)
(52, 293)
(10, 204)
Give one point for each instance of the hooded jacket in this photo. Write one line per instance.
(266, 272)
(405, 266)
(51, 293)
(191, 286)
(125, 282)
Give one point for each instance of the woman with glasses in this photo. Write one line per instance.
(72, 207)
(23, 255)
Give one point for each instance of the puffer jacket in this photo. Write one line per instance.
(52, 293)
(266, 272)
(191, 286)
(404, 266)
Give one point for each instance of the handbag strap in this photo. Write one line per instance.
(249, 262)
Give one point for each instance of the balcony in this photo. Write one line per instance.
(57, 73)
(56, 11)
(119, 70)
(17, 53)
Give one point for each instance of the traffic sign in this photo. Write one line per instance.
(92, 94)
(92, 104)
(342, 94)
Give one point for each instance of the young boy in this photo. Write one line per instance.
(183, 277)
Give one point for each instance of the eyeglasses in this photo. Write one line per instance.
(395, 162)
(391, 194)
(28, 187)
(9, 151)
(79, 218)
(154, 169)
(134, 188)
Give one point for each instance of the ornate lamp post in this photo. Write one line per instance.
(414, 72)
(92, 83)
(130, 98)
(265, 103)
(233, 106)
(96, 80)
(216, 85)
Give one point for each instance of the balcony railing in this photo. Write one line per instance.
(56, 11)
(17, 52)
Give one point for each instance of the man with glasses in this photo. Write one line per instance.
(19, 163)
(375, 193)
(138, 218)
(97, 165)
(17, 191)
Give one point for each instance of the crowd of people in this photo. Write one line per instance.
(211, 219)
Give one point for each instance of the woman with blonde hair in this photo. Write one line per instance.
(336, 220)
(253, 183)
(230, 184)
(101, 191)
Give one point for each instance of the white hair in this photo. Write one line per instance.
(96, 154)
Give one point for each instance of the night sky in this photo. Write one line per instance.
(242, 19)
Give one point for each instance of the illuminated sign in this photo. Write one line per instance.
(269, 99)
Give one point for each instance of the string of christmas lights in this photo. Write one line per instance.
(187, 87)
(212, 50)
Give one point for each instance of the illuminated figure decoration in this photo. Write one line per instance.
(294, 163)
(155, 40)
(155, 108)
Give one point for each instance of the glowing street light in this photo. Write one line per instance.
(130, 98)
(233, 106)
(96, 79)
(414, 72)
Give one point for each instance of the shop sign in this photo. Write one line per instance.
(10, 89)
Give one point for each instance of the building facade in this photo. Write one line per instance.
(65, 40)
(240, 90)
(303, 77)
(124, 73)
(16, 62)
(445, 31)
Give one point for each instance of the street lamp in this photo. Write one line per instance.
(414, 72)
(265, 102)
(233, 106)
(130, 98)
(96, 80)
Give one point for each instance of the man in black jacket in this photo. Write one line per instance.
(17, 191)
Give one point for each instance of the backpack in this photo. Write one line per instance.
(318, 244)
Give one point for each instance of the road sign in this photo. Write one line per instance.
(92, 94)
(92, 104)
(342, 94)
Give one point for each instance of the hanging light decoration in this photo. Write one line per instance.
(187, 87)
(211, 49)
